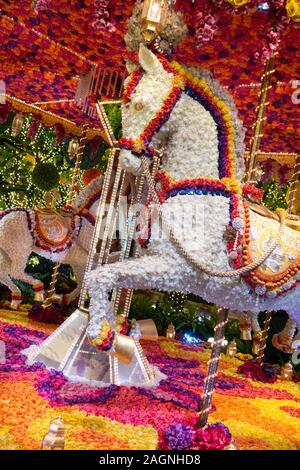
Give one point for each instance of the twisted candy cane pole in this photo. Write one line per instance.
(212, 367)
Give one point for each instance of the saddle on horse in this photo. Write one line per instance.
(54, 230)
(281, 270)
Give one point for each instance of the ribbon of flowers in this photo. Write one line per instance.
(105, 338)
(134, 80)
(253, 193)
(107, 334)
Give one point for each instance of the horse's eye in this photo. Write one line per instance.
(138, 106)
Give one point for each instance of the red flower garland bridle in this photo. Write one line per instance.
(142, 145)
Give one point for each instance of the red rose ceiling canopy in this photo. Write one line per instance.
(46, 45)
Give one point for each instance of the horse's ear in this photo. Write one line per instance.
(148, 61)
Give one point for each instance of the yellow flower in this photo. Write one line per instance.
(63, 179)
(243, 357)
(139, 145)
(30, 159)
(179, 81)
(238, 3)
(293, 9)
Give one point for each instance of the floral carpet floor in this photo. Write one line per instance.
(259, 416)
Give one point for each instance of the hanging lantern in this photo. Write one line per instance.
(73, 147)
(54, 439)
(17, 124)
(245, 325)
(287, 371)
(231, 349)
(170, 334)
(153, 18)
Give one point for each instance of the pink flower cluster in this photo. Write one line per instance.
(42, 5)
(205, 27)
(258, 372)
(271, 41)
(101, 22)
(33, 128)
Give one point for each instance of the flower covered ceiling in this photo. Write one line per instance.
(44, 50)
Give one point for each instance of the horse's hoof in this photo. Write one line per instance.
(14, 305)
(39, 296)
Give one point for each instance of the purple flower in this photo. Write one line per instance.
(178, 436)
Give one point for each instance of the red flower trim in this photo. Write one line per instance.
(252, 192)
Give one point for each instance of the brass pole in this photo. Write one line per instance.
(212, 368)
(293, 187)
(264, 335)
(83, 138)
(260, 116)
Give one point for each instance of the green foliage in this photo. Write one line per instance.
(115, 118)
(16, 185)
(274, 196)
(45, 176)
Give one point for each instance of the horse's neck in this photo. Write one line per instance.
(192, 147)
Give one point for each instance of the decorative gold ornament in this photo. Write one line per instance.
(17, 124)
(153, 18)
(231, 349)
(256, 342)
(245, 325)
(54, 439)
(170, 334)
(73, 147)
(231, 446)
(287, 371)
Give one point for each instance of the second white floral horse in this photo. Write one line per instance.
(23, 231)
(195, 120)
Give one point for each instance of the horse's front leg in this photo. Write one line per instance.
(147, 272)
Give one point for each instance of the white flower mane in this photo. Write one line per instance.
(224, 95)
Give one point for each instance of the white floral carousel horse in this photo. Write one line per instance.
(194, 119)
(63, 237)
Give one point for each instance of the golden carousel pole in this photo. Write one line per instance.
(294, 182)
(260, 116)
(254, 150)
(49, 295)
(212, 368)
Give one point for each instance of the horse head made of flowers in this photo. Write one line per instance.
(143, 101)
